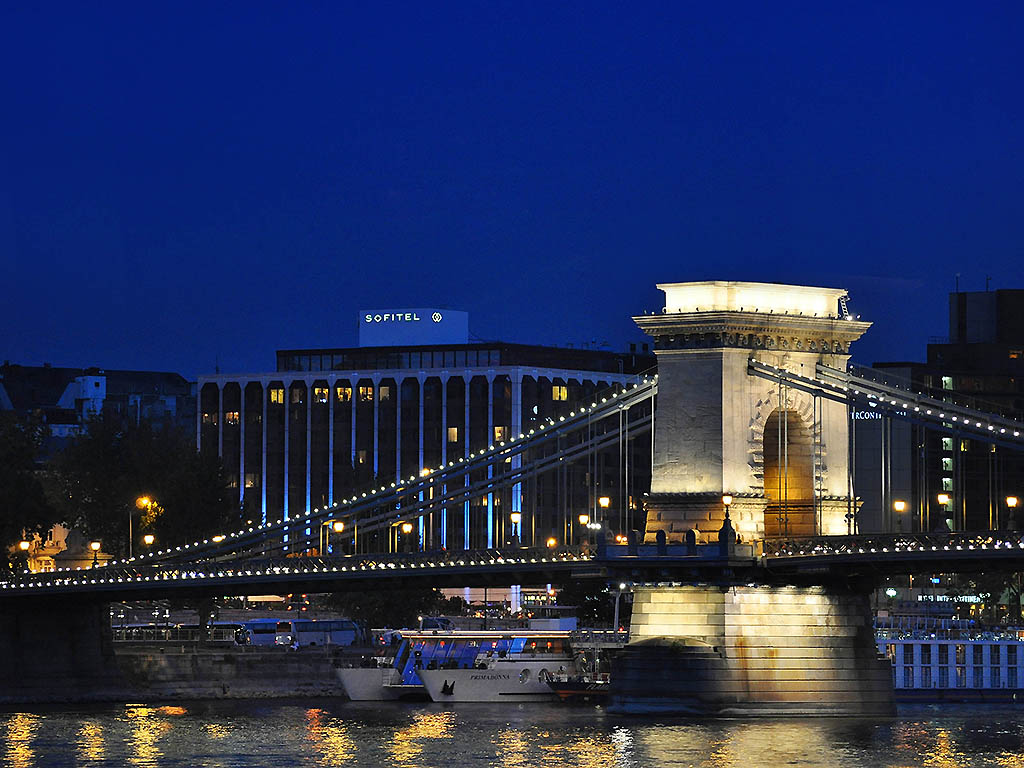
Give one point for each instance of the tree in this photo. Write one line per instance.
(388, 607)
(595, 603)
(24, 507)
(107, 470)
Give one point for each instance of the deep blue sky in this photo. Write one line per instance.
(187, 185)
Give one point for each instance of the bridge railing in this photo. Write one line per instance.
(874, 544)
(286, 567)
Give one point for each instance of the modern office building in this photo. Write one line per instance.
(328, 423)
(979, 365)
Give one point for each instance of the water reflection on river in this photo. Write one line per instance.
(328, 733)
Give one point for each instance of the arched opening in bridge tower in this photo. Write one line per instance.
(788, 476)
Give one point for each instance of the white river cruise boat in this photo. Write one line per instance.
(514, 666)
(396, 673)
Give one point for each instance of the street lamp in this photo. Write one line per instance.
(727, 502)
(23, 546)
(1011, 503)
(95, 547)
(898, 507)
(552, 542)
(618, 594)
(331, 525)
(148, 539)
(604, 502)
(406, 529)
(944, 499)
(516, 518)
(143, 502)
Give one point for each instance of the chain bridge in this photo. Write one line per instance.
(748, 533)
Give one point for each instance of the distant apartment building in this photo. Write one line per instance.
(980, 365)
(66, 398)
(416, 393)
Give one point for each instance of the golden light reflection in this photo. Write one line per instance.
(148, 726)
(512, 747)
(593, 751)
(407, 744)
(943, 753)
(173, 711)
(331, 737)
(89, 742)
(21, 729)
(216, 731)
(723, 754)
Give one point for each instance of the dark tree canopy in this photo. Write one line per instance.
(107, 470)
(24, 507)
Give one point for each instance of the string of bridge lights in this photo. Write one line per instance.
(964, 420)
(427, 477)
(181, 575)
(820, 550)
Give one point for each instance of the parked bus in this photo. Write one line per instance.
(258, 632)
(300, 632)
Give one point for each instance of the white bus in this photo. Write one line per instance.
(258, 632)
(299, 632)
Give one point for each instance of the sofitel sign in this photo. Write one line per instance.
(399, 317)
(412, 326)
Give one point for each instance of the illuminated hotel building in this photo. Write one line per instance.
(329, 423)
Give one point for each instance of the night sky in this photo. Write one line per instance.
(184, 186)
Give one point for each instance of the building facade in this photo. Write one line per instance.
(979, 365)
(66, 398)
(329, 423)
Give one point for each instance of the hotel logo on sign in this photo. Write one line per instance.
(397, 317)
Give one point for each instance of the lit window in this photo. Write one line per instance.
(296, 397)
(360, 457)
(209, 418)
(499, 433)
(965, 445)
(277, 395)
(947, 382)
(453, 434)
(385, 393)
(366, 394)
(1016, 354)
(231, 417)
(559, 392)
(251, 479)
(947, 464)
(320, 394)
(947, 483)
(947, 443)
(344, 394)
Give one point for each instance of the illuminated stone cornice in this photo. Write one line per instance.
(751, 330)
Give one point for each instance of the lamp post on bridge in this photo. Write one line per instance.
(325, 534)
(584, 519)
(95, 547)
(618, 594)
(899, 507)
(1011, 505)
(516, 518)
(944, 500)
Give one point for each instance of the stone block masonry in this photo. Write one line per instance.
(752, 651)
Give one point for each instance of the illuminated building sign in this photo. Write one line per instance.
(404, 327)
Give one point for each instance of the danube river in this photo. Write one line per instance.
(326, 733)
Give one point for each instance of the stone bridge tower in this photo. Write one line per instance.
(781, 453)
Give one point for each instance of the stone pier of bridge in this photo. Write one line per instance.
(780, 457)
